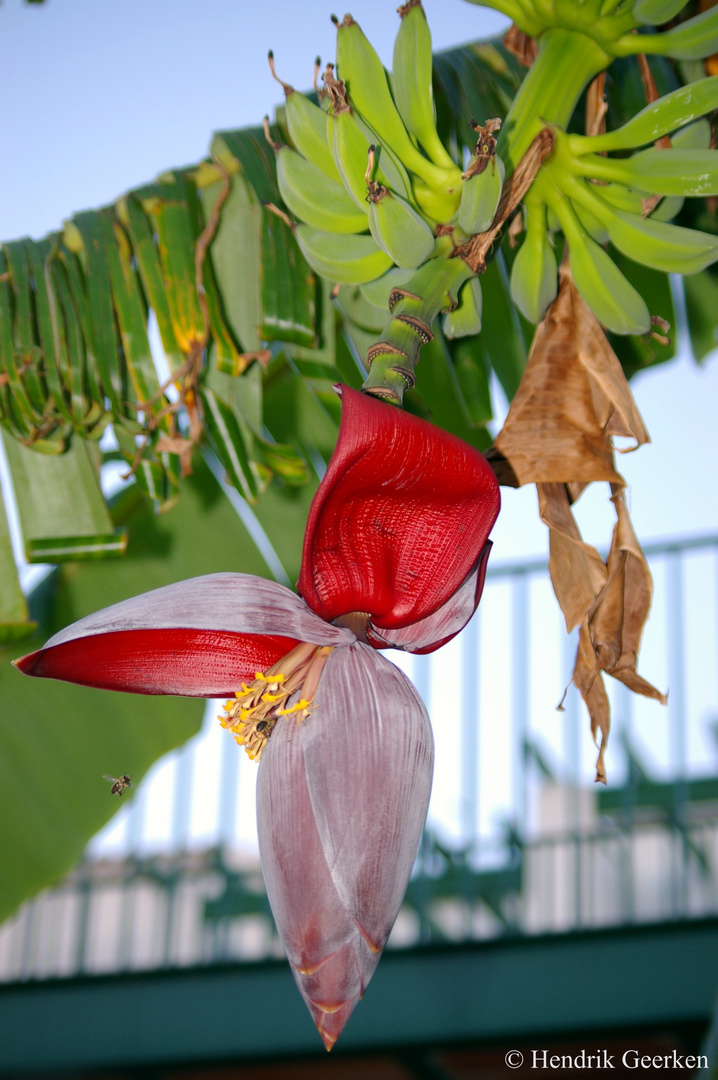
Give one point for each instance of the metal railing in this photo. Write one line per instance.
(519, 840)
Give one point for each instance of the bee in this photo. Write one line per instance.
(119, 784)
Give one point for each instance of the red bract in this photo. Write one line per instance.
(394, 556)
(400, 520)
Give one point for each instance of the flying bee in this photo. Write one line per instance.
(119, 784)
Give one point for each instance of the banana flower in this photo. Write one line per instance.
(394, 556)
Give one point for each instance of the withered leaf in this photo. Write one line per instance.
(572, 400)
(573, 397)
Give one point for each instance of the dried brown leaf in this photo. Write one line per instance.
(578, 573)
(523, 47)
(572, 400)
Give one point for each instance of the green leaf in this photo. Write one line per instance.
(57, 740)
(131, 308)
(62, 512)
(167, 204)
(701, 292)
(477, 82)
(287, 284)
(23, 326)
(48, 323)
(102, 343)
(14, 622)
(438, 395)
(501, 333)
(145, 252)
(237, 246)
(472, 373)
(637, 353)
(228, 443)
(282, 512)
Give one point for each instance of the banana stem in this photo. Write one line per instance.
(434, 288)
(567, 61)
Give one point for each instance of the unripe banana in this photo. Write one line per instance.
(397, 178)
(534, 274)
(624, 198)
(482, 182)
(666, 247)
(351, 140)
(674, 171)
(673, 111)
(668, 208)
(657, 12)
(609, 294)
(313, 197)
(654, 243)
(397, 228)
(591, 224)
(346, 259)
(307, 125)
(377, 292)
(437, 206)
(411, 81)
(634, 202)
(465, 320)
(693, 137)
(361, 69)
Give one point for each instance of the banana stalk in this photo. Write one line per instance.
(433, 289)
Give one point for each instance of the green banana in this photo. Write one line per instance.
(534, 274)
(411, 81)
(674, 171)
(670, 248)
(396, 226)
(482, 182)
(307, 125)
(362, 71)
(377, 292)
(350, 142)
(660, 118)
(465, 319)
(696, 136)
(352, 303)
(690, 40)
(313, 197)
(657, 12)
(634, 202)
(591, 224)
(667, 208)
(608, 293)
(437, 206)
(346, 259)
(666, 247)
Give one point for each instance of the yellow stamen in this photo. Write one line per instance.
(253, 714)
(297, 707)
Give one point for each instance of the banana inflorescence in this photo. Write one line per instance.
(374, 192)
(628, 202)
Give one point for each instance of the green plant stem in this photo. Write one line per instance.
(434, 288)
(566, 63)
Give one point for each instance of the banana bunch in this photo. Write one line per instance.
(628, 201)
(366, 178)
